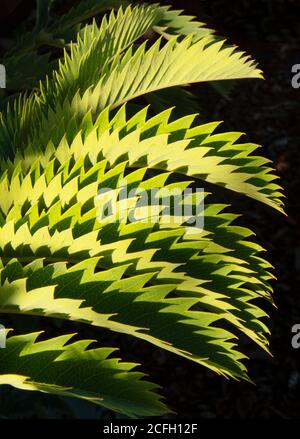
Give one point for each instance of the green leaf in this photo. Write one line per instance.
(50, 218)
(74, 369)
(97, 73)
(175, 23)
(194, 289)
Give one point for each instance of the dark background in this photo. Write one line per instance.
(268, 111)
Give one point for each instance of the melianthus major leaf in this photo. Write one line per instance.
(172, 65)
(60, 31)
(176, 146)
(191, 294)
(71, 369)
(50, 213)
(98, 60)
(145, 70)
